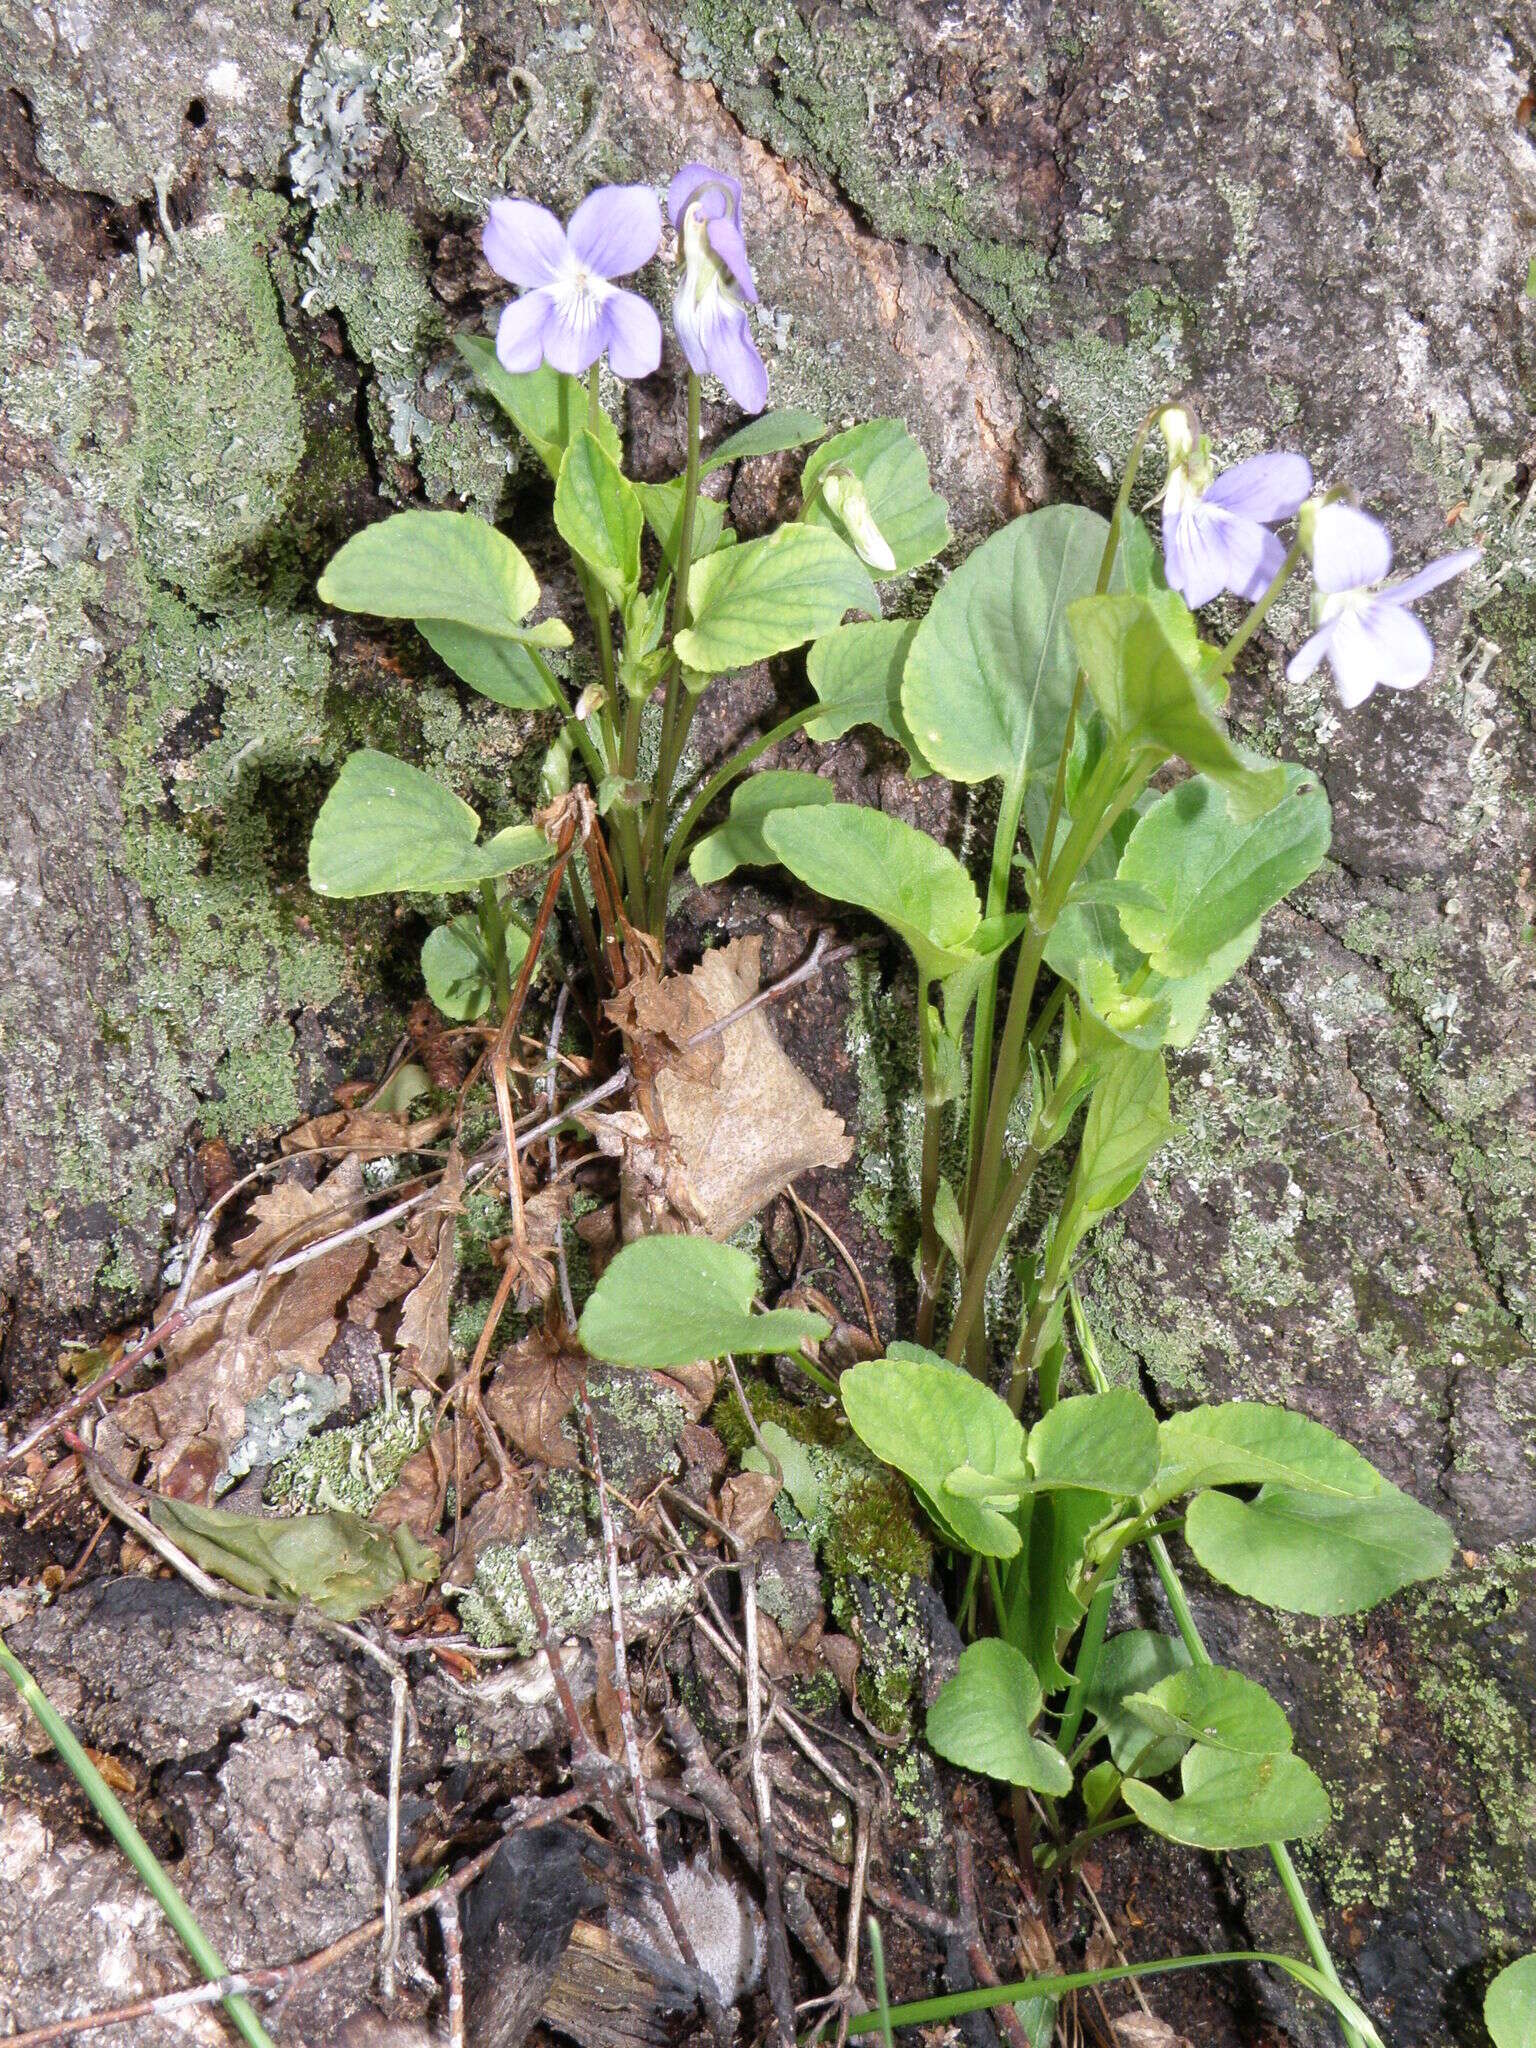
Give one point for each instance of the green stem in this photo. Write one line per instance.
(133, 1845)
(1223, 663)
(594, 401)
(493, 934)
(1086, 1667)
(979, 1266)
(676, 690)
(1184, 1621)
(574, 725)
(725, 774)
(928, 1284)
(1010, 810)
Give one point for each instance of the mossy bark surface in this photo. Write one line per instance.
(238, 243)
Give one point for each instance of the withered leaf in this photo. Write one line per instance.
(530, 1395)
(424, 1339)
(746, 1507)
(370, 1133)
(500, 1515)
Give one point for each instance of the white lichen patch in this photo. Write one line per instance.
(495, 1610)
(352, 1468)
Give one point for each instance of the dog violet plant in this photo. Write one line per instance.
(1138, 849)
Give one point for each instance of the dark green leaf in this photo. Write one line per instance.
(1222, 1709)
(739, 841)
(669, 1301)
(598, 515)
(1315, 1553)
(502, 670)
(1134, 1661)
(1056, 1531)
(984, 1717)
(1107, 1442)
(989, 678)
(767, 596)
(1127, 1121)
(771, 433)
(434, 565)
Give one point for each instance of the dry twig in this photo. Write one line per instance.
(779, 1992)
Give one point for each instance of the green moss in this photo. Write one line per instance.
(353, 1467)
(218, 433)
(368, 264)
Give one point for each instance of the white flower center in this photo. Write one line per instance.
(582, 294)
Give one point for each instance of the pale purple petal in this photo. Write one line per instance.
(524, 243)
(616, 229)
(718, 191)
(520, 333)
(1267, 566)
(1268, 488)
(725, 239)
(716, 337)
(1350, 549)
(1355, 658)
(1207, 551)
(1405, 654)
(1431, 576)
(573, 334)
(1307, 656)
(631, 334)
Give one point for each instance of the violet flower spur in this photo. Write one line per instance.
(1366, 633)
(709, 310)
(1216, 533)
(571, 310)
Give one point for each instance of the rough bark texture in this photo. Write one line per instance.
(1015, 225)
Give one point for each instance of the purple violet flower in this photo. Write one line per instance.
(570, 310)
(1367, 635)
(709, 310)
(1216, 528)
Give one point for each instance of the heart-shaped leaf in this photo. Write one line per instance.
(931, 1421)
(546, 406)
(598, 515)
(456, 971)
(1234, 1802)
(893, 495)
(1211, 876)
(856, 671)
(984, 1718)
(907, 880)
(766, 596)
(1150, 699)
(989, 679)
(1509, 2008)
(1222, 1709)
(434, 565)
(771, 433)
(739, 841)
(1251, 1443)
(670, 1301)
(1107, 1442)
(1317, 1554)
(385, 826)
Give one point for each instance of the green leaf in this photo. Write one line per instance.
(989, 678)
(907, 880)
(502, 670)
(771, 433)
(1251, 1443)
(1127, 1121)
(1317, 1554)
(1089, 949)
(739, 841)
(1107, 1442)
(795, 1467)
(385, 826)
(598, 515)
(1210, 876)
(982, 1721)
(947, 1220)
(767, 596)
(1222, 1709)
(340, 1562)
(891, 473)
(856, 671)
(454, 966)
(1234, 1802)
(932, 1421)
(1149, 698)
(669, 1301)
(1100, 1788)
(1058, 1525)
(663, 508)
(1135, 1661)
(434, 565)
(545, 405)
(1510, 2005)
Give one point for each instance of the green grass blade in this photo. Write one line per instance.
(132, 1844)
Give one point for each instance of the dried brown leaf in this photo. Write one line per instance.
(530, 1395)
(367, 1132)
(746, 1507)
(694, 1386)
(841, 1655)
(412, 1502)
(1146, 2030)
(424, 1339)
(500, 1515)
